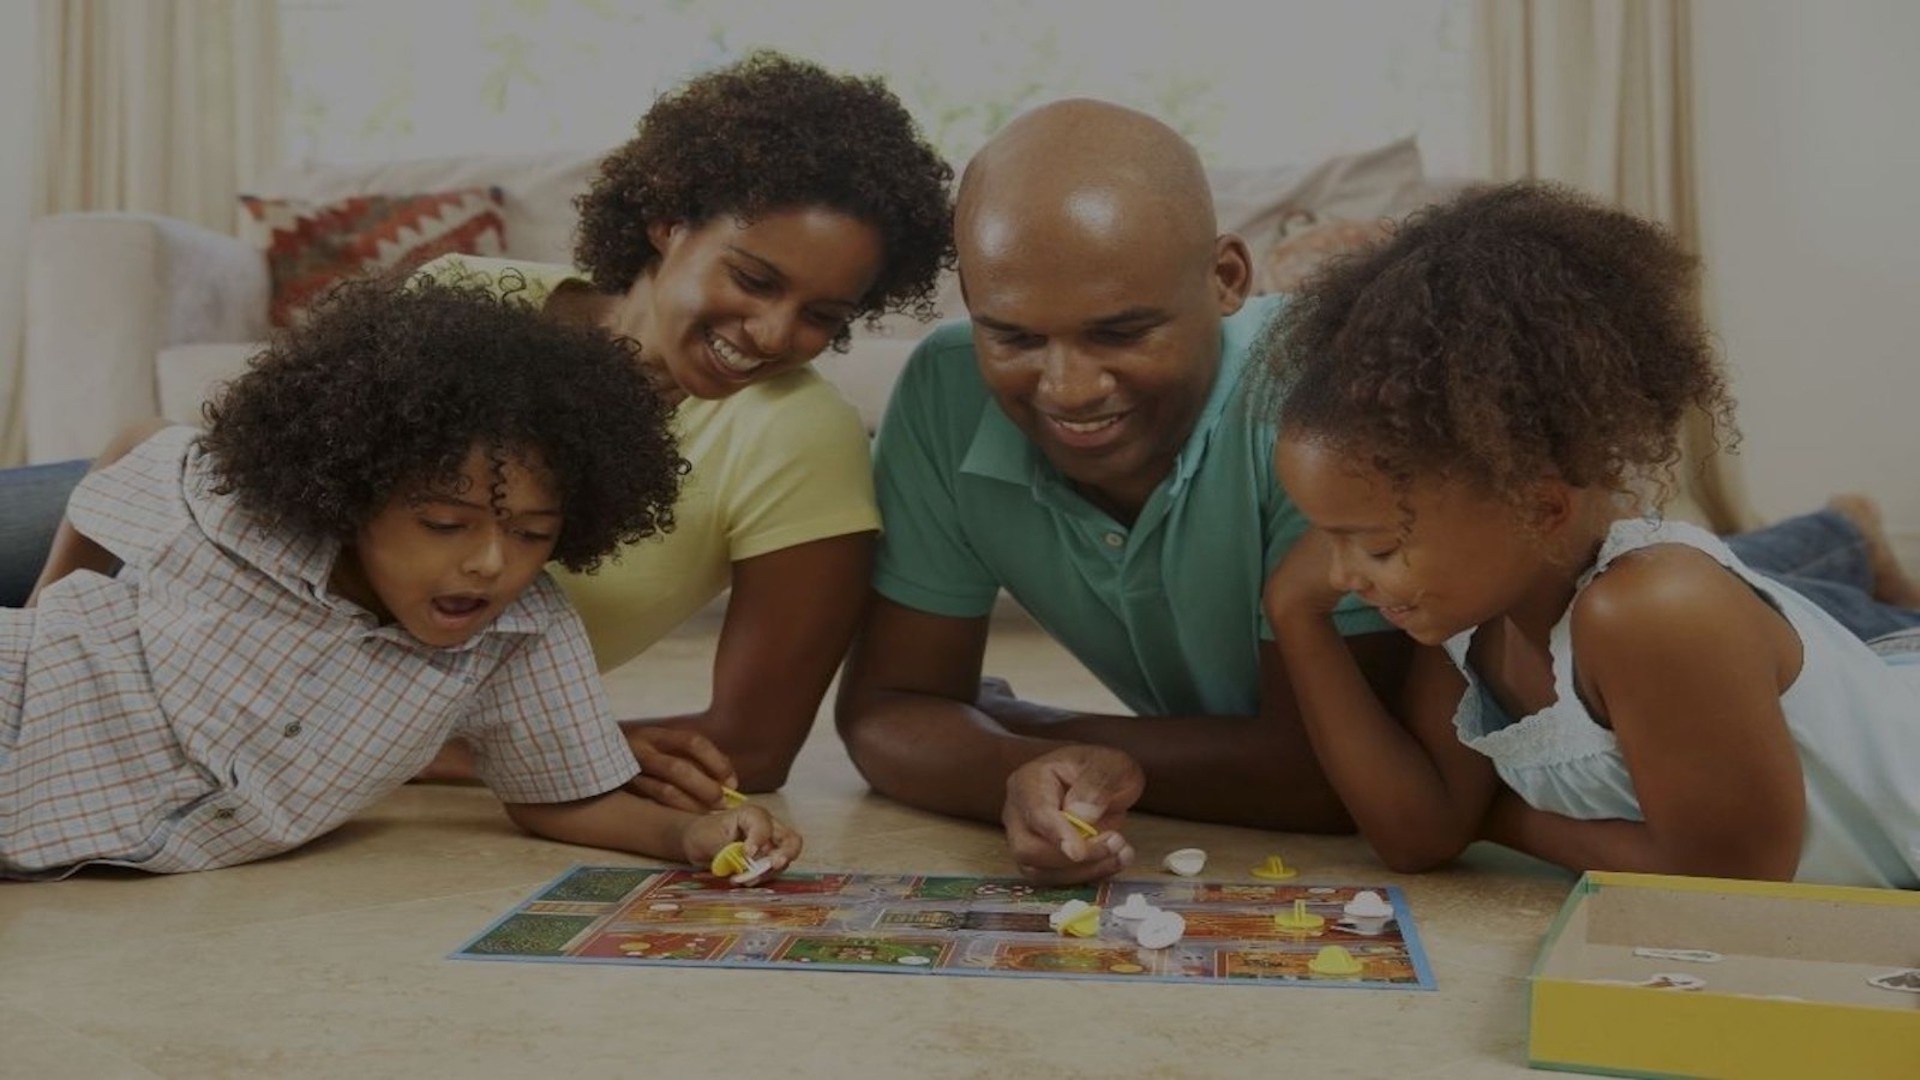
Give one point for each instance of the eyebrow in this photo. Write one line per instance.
(1130, 317)
(781, 275)
(466, 504)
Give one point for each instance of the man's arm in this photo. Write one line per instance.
(1257, 771)
(907, 712)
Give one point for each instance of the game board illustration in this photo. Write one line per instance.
(946, 925)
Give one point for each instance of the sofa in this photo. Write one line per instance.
(131, 316)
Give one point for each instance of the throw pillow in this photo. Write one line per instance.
(311, 247)
(1304, 241)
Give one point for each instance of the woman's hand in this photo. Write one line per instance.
(679, 768)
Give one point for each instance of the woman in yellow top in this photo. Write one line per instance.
(761, 209)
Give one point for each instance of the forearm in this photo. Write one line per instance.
(938, 754)
(1613, 844)
(1396, 792)
(618, 821)
(761, 762)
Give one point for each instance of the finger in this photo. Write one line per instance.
(665, 794)
(701, 751)
(686, 776)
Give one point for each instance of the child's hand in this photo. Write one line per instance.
(1301, 585)
(764, 835)
(678, 768)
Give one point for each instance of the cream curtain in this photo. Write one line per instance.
(1597, 94)
(154, 106)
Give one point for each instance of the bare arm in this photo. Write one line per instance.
(907, 711)
(1687, 665)
(620, 820)
(73, 551)
(789, 620)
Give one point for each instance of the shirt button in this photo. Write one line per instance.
(291, 729)
(1115, 540)
(223, 813)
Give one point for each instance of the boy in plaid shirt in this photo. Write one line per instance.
(246, 636)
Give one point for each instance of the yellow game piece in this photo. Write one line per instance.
(730, 860)
(1082, 923)
(1080, 825)
(1299, 920)
(1334, 960)
(732, 797)
(1274, 869)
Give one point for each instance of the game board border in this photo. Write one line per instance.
(1409, 935)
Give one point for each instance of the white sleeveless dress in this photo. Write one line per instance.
(1854, 716)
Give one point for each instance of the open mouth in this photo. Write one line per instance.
(730, 360)
(1090, 433)
(456, 611)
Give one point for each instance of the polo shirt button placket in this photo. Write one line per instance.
(1115, 539)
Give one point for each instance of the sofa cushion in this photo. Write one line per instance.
(1305, 241)
(311, 247)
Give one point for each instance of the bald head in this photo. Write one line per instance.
(1084, 176)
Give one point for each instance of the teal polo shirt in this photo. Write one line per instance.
(1165, 613)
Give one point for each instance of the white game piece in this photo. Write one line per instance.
(1907, 980)
(1367, 904)
(1066, 911)
(663, 906)
(1186, 862)
(755, 868)
(1691, 956)
(1134, 907)
(1159, 930)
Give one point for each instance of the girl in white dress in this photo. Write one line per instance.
(1468, 415)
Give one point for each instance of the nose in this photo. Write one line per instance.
(771, 331)
(487, 557)
(1342, 574)
(1072, 385)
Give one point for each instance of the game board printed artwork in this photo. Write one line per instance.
(913, 924)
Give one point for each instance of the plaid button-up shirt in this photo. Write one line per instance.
(216, 703)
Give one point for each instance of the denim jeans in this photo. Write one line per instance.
(1823, 557)
(32, 502)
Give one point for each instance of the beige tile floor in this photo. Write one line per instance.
(331, 962)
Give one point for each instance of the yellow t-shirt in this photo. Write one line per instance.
(783, 462)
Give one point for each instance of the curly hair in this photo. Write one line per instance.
(773, 133)
(391, 385)
(1517, 331)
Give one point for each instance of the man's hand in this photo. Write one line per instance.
(681, 769)
(1094, 783)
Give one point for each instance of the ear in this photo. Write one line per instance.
(663, 234)
(1232, 274)
(1550, 504)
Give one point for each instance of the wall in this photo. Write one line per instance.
(1809, 167)
(18, 161)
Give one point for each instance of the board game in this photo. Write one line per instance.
(946, 926)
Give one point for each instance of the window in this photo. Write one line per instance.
(1248, 84)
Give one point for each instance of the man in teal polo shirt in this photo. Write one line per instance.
(1086, 444)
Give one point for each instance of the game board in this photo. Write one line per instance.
(944, 925)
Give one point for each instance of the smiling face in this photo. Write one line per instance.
(445, 563)
(1462, 559)
(729, 304)
(1100, 344)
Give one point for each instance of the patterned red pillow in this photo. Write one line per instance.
(1304, 240)
(311, 247)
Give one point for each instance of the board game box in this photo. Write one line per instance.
(947, 926)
